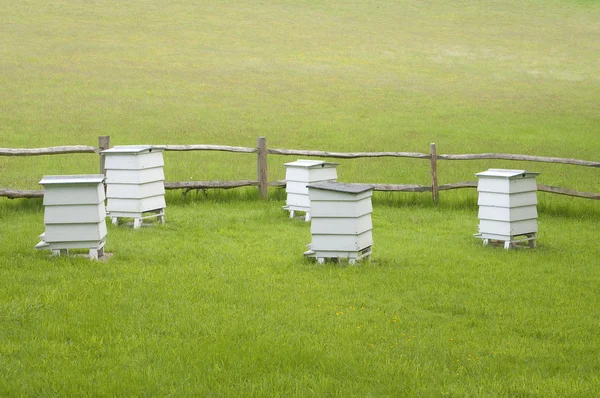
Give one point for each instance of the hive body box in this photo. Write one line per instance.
(74, 214)
(507, 206)
(298, 175)
(135, 183)
(341, 225)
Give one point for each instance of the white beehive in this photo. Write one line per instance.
(341, 225)
(298, 175)
(74, 214)
(507, 206)
(135, 183)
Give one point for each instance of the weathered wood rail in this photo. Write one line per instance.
(263, 184)
(55, 150)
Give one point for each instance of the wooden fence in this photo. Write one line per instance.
(263, 183)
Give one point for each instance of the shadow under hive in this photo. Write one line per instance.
(74, 214)
(507, 207)
(135, 183)
(341, 225)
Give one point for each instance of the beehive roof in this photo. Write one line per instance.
(310, 164)
(73, 179)
(507, 173)
(132, 149)
(341, 187)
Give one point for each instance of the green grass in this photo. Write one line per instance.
(219, 301)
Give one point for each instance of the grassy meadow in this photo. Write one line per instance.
(219, 301)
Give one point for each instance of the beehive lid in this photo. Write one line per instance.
(72, 179)
(507, 173)
(341, 187)
(132, 149)
(310, 164)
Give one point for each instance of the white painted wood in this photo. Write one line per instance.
(93, 254)
(507, 186)
(73, 194)
(75, 232)
(341, 226)
(131, 207)
(341, 242)
(508, 229)
(135, 161)
(296, 187)
(301, 173)
(505, 174)
(506, 200)
(528, 237)
(310, 170)
(327, 195)
(340, 254)
(135, 182)
(507, 205)
(135, 191)
(74, 214)
(533, 242)
(507, 213)
(341, 209)
(310, 175)
(135, 176)
(298, 202)
(76, 245)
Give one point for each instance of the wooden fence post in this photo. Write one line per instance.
(262, 169)
(434, 179)
(103, 143)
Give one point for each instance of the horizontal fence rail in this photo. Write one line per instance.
(263, 184)
(351, 155)
(238, 149)
(55, 150)
(527, 158)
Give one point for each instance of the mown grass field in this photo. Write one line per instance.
(219, 301)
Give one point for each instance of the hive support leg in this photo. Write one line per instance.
(161, 218)
(93, 254)
(321, 260)
(507, 245)
(60, 252)
(307, 217)
(137, 223)
(351, 261)
(115, 220)
(532, 242)
(292, 213)
(486, 241)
